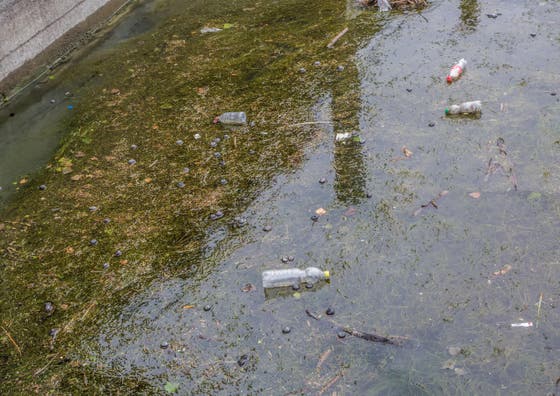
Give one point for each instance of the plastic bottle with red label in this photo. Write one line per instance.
(456, 71)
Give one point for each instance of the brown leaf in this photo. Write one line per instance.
(76, 177)
(115, 91)
(79, 154)
(249, 287)
(148, 180)
(69, 250)
(407, 153)
(351, 211)
(187, 306)
(23, 181)
(123, 262)
(474, 194)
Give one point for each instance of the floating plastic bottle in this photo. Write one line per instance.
(293, 276)
(473, 107)
(232, 118)
(456, 71)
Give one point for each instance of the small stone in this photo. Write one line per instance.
(291, 258)
(222, 163)
(493, 16)
(302, 70)
(213, 217)
(68, 93)
(181, 184)
(240, 221)
(242, 361)
(219, 214)
(314, 217)
(341, 334)
(49, 307)
(131, 161)
(251, 152)
(369, 195)
(217, 155)
(432, 124)
(460, 371)
(296, 286)
(196, 136)
(309, 285)
(252, 123)
(213, 144)
(217, 140)
(186, 170)
(179, 142)
(553, 94)
(329, 311)
(92, 208)
(133, 147)
(533, 35)
(267, 228)
(53, 332)
(118, 253)
(164, 345)
(226, 137)
(284, 259)
(409, 90)
(207, 308)
(317, 64)
(340, 68)
(42, 187)
(106, 220)
(93, 242)
(53, 101)
(223, 182)
(286, 330)
(322, 180)
(106, 266)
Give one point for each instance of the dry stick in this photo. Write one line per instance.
(539, 310)
(310, 123)
(42, 369)
(331, 383)
(337, 37)
(12, 340)
(322, 358)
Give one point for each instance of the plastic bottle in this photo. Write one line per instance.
(292, 276)
(456, 71)
(465, 108)
(233, 118)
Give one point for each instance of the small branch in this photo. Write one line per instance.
(337, 37)
(310, 123)
(331, 382)
(12, 340)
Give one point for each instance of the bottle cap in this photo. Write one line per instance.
(327, 274)
(446, 110)
(449, 79)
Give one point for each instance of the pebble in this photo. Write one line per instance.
(314, 217)
(133, 147)
(309, 285)
(53, 332)
(207, 308)
(92, 208)
(533, 35)
(42, 187)
(284, 259)
(131, 161)
(219, 214)
(118, 253)
(53, 101)
(222, 163)
(213, 144)
(181, 184)
(164, 345)
(267, 228)
(330, 311)
(286, 330)
(317, 63)
(179, 142)
(217, 140)
(369, 195)
(322, 180)
(226, 137)
(252, 123)
(106, 220)
(409, 90)
(341, 334)
(302, 70)
(213, 217)
(186, 170)
(340, 68)
(93, 242)
(196, 136)
(105, 265)
(242, 361)
(49, 307)
(217, 155)
(241, 221)
(291, 258)
(223, 182)
(296, 286)
(553, 94)
(432, 124)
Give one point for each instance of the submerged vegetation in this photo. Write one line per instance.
(131, 190)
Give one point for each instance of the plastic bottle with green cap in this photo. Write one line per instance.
(473, 107)
(293, 276)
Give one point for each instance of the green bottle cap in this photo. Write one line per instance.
(446, 110)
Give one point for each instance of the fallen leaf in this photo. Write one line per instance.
(249, 287)
(155, 126)
(407, 153)
(76, 177)
(23, 181)
(474, 194)
(188, 306)
(228, 25)
(321, 211)
(79, 154)
(69, 250)
(148, 180)
(115, 91)
(504, 270)
(64, 307)
(123, 262)
(202, 90)
(448, 365)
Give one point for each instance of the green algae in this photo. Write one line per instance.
(166, 85)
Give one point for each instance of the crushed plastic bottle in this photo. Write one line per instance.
(465, 108)
(456, 71)
(293, 276)
(232, 118)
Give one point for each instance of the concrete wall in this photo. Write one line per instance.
(27, 27)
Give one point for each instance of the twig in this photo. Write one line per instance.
(432, 203)
(322, 358)
(12, 340)
(310, 123)
(337, 37)
(42, 369)
(331, 382)
(539, 310)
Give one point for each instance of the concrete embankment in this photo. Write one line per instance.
(29, 27)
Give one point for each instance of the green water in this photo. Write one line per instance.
(455, 274)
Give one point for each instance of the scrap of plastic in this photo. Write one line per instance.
(384, 5)
(524, 324)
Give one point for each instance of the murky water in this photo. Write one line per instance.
(451, 275)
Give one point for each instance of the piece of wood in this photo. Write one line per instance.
(337, 37)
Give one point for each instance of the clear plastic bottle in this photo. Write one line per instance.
(292, 276)
(465, 108)
(456, 71)
(233, 118)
